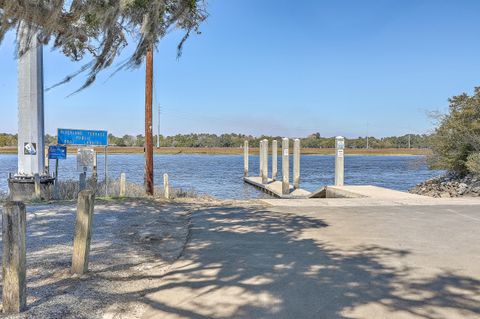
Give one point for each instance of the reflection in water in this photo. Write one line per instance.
(221, 175)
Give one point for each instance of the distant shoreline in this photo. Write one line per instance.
(239, 151)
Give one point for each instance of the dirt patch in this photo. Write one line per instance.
(134, 242)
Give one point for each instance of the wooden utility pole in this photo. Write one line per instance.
(148, 124)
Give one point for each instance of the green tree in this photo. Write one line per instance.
(458, 133)
(101, 29)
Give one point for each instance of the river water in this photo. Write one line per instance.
(221, 175)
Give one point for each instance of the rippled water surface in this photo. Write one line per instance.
(221, 175)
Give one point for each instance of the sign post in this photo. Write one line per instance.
(57, 152)
(86, 138)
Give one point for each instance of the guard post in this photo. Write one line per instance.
(14, 257)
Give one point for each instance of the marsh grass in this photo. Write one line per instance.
(69, 189)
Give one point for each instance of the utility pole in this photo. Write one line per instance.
(158, 127)
(148, 124)
(409, 144)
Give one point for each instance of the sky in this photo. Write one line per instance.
(278, 67)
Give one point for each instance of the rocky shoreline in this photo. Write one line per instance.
(450, 185)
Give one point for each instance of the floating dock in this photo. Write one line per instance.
(274, 188)
(285, 190)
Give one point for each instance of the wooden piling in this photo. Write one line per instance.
(123, 184)
(166, 186)
(285, 167)
(14, 257)
(296, 163)
(38, 190)
(83, 232)
(83, 181)
(245, 159)
(274, 160)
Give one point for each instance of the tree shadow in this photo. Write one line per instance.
(256, 263)
(240, 262)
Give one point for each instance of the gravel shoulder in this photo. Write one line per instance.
(134, 242)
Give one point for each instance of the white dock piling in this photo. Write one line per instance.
(245, 159)
(260, 157)
(285, 167)
(265, 162)
(296, 163)
(274, 160)
(339, 160)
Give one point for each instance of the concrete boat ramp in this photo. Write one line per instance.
(274, 188)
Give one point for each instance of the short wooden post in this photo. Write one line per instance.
(245, 159)
(339, 160)
(83, 232)
(14, 257)
(296, 163)
(36, 180)
(166, 186)
(265, 162)
(83, 181)
(285, 167)
(274, 160)
(123, 184)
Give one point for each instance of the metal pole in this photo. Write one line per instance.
(95, 165)
(56, 171)
(148, 124)
(296, 163)
(339, 160)
(274, 160)
(106, 172)
(245, 159)
(285, 167)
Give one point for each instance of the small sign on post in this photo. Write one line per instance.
(57, 152)
(85, 159)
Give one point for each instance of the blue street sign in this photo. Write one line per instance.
(82, 137)
(57, 152)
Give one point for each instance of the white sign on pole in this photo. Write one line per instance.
(85, 159)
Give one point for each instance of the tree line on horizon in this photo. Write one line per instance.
(236, 140)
